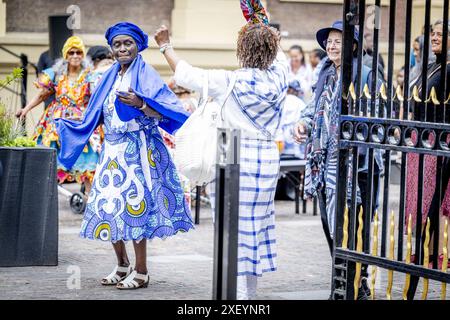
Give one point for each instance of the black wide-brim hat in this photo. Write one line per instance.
(322, 34)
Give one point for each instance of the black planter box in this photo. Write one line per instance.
(28, 207)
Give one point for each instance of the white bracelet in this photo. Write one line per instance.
(144, 105)
(164, 47)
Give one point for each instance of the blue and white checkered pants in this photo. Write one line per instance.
(259, 166)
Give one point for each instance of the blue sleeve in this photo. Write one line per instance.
(46, 79)
(51, 73)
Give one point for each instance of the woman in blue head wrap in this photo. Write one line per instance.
(136, 193)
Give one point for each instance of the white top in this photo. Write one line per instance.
(122, 83)
(116, 125)
(304, 75)
(192, 78)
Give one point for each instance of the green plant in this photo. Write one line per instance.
(10, 78)
(12, 134)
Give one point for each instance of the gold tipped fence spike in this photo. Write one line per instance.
(352, 92)
(408, 258)
(415, 94)
(391, 256)
(426, 258)
(399, 94)
(366, 92)
(359, 248)
(433, 97)
(344, 96)
(383, 94)
(345, 230)
(448, 99)
(445, 259)
(374, 253)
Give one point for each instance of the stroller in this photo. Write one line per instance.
(77, 201)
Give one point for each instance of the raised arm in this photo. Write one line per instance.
(163, 40)
(186, 75)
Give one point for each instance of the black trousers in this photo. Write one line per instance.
(362, 182)
(324, 218)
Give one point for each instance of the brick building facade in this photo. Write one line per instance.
(96, 16)
(300, 19)
(203, 31)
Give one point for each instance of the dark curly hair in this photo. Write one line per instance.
(257, 46)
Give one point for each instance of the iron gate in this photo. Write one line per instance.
(370, 121)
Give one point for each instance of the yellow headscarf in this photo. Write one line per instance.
(73, 42)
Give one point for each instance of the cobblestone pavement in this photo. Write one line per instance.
(181, 267)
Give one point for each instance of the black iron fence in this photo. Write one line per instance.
(414, 121)
(24, 63)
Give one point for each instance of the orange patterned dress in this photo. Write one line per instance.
(70, 102)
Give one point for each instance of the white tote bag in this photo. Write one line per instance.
(196, 141)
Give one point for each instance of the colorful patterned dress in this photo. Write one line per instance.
(71, 100)
(136, 192)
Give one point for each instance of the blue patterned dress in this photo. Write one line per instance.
(136, 192)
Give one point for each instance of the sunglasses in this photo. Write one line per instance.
(71, 53)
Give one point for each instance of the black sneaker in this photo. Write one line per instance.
(365, 286)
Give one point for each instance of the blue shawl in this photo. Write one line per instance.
(147, 85)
